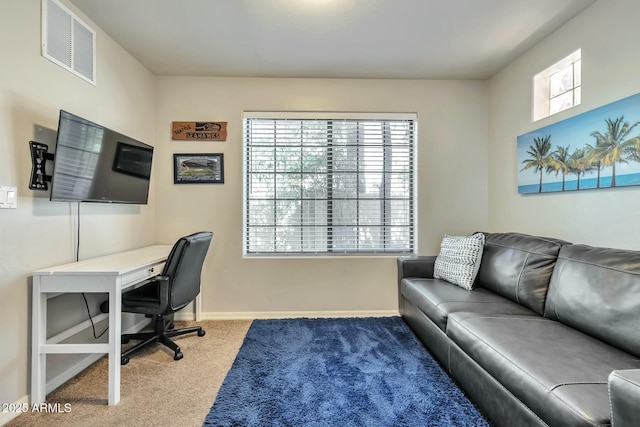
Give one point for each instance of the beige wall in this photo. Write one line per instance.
(467, 172)
(607, 34)
(40, 233)
(452, 186)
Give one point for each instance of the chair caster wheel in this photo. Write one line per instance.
(178, 355)
(201, 332)
(124, 360)
(171, 326)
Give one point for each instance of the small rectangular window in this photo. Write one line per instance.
(558, 87)
(328, 183)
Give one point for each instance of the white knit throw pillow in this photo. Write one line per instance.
(459, 259)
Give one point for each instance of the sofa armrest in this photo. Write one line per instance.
(418, 266)
(624, 395)
(415, 266)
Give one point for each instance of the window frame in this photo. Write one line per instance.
(542, 88)
(330, 224)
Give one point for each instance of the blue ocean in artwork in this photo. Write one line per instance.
(585, 184)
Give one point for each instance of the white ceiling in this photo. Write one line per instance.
(432, 39)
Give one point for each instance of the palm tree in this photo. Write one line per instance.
(539, 159)
(613, 146)
(633, 149)
(558, 162)
(579, 163)
(594, 159)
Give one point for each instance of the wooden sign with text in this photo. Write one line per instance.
(199, 131)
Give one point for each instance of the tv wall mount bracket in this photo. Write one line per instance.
(39, 155)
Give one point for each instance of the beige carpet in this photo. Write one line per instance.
(155, 390)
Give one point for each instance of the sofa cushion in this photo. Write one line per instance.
(459, 259)
(597, 291)
(437, 299)
(519, 267)
(624, 395)
(558, 372)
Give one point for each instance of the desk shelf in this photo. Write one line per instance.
(80, 327)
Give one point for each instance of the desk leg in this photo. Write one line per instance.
(115, 306)
(38, 338)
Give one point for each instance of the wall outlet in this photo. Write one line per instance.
(8, 197)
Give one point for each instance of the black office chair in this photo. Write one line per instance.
(163, 295)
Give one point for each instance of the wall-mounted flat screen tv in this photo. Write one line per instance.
(95, 164)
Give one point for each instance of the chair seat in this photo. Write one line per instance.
(163, 295)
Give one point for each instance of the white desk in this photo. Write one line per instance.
(108, 274)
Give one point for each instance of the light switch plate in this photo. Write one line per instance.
(8, 197)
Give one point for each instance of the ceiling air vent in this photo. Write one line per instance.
(68, 41)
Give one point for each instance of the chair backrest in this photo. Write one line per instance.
(184, 268)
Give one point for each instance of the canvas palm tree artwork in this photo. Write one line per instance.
(596, 149)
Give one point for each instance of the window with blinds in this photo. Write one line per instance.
(331, 184)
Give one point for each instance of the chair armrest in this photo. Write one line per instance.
(154, 291)
(157, 278)
(624, 395)
(415, 266)
(160, 278)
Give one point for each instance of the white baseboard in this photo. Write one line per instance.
(184, 316)
(237, 315)
(5, 417)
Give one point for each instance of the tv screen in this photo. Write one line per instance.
(96, 164)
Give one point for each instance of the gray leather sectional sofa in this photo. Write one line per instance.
(549, 335)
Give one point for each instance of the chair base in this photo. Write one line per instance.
(160, 334)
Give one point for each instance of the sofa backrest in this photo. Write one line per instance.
(518, 267)
(597, 291)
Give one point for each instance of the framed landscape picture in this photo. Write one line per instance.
(198, 168)
(593, 150)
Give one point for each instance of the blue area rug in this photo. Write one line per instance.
(338, 372)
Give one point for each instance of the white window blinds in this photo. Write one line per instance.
(330, 184)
